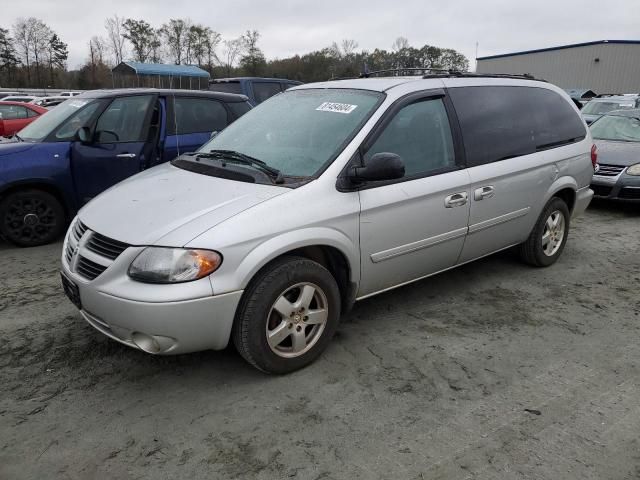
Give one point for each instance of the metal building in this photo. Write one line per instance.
(159, 75)
(604, 66)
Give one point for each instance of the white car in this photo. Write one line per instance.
(20, 98)
(49, 102)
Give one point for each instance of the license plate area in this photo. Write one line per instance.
(71, 290)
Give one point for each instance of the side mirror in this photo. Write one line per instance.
(84, 135)
(214, 134)
(381, 166)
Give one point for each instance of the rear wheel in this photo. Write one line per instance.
(31, 217)
(549, 236)
(288, 315)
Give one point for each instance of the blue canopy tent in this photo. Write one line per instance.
(159, 75)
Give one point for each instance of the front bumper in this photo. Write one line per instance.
(623, 187)
(163, 328)
(159, 319)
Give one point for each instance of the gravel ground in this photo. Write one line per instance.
(493, 370)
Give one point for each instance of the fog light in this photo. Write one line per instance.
(145, 343)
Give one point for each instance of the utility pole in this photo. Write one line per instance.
(476, 69)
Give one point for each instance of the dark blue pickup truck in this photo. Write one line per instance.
(92, 141)
(257, 89)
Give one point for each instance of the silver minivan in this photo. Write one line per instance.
(324, 195)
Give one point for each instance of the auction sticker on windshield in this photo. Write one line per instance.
(336, 107)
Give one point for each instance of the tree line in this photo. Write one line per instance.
(33, 55)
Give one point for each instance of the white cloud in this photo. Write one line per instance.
(299, 26)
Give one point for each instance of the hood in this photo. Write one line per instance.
(12, 147)
(618, 153)
(169, 206)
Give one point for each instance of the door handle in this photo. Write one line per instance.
(126, 155)
(483, 192)
(456, 200)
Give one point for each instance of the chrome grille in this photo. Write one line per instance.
(609, 170)
(88, 269)
(94, 254)
(69, 252)
(105, 246)
(78, 230)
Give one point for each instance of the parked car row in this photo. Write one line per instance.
(323, 195)
(264, 231)
(90, 142)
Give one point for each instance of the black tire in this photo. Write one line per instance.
(255, 314)
(29, 218)
(532, 251)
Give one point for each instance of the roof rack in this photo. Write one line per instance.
(399, 72)
(440, 73)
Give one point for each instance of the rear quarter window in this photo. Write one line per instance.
(239, 108)
(502, 122)
(199, 115)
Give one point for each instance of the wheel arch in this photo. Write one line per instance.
(328, 247)
(564, 188)
(40, 184)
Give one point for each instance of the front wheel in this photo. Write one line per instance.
(549, 236)
(287, 316)
(31, 217)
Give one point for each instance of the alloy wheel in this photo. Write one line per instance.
(296, 320)
(553, 234)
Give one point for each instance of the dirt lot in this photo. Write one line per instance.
(428, 381)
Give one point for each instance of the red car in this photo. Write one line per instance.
(14, 116)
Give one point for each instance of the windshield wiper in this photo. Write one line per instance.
(15, 135)
(233, 156)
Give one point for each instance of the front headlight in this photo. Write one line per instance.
(634, 169)
(173, 265)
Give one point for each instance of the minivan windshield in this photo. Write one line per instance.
(42, 127)
(598, 108)
(298, 132)
(614, 127)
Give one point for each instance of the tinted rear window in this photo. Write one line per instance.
(504, 122)
(264, 90)
(239, 108)
(226, 87)
(199, 115)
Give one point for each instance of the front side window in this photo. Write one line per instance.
(69, 127)
(265, 90)
(44, 125)
(614, 127)
(199, 115)
(502, 122)
(124, 120)
(299, 131)
(421, 136)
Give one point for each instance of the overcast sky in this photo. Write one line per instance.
(299, 26)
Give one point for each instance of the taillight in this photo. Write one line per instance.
(594, 155)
